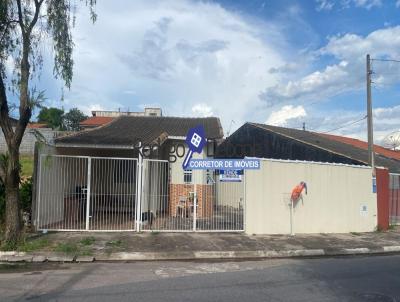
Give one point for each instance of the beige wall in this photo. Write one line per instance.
(335, 195)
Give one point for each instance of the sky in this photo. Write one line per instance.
(281, 62)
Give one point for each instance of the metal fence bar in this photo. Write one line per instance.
(89, 177)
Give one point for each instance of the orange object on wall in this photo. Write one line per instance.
(296, 192)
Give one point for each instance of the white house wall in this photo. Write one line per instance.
(336, 196)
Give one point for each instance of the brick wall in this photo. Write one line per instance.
(204, 198)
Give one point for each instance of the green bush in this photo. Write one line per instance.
(25, 195)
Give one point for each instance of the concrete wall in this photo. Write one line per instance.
(334, 203)
(29, 139)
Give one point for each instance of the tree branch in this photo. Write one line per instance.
(7, 24)
(38, 4)
(20, 17)
(4, 114)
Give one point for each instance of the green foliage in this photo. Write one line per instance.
(25, 27)
(26, 166)
(51, 19)
(88, 240)
(53, 117)
(25, 195)
(68, 248)
(34, 245)
(73, 118)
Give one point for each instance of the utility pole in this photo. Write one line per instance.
(304, 126)
(371, 157)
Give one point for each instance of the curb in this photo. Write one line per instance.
(199, 255)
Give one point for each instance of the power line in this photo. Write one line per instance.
(345, 125)
(314, 132)
(386, 60)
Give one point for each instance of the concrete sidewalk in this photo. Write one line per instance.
(71, 246)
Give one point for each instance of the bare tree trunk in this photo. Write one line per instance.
(13, 213)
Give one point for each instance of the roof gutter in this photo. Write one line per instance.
(94, 146)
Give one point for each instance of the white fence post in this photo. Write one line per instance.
(38, 197)
(139, 190)
(89, 174)
(194, 207)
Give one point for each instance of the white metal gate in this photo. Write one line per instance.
(80, 193)
(112, 194)
(394, 199)
(86, 193)
(205, 204)
(62, 193)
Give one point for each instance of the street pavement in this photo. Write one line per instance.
(363, 279)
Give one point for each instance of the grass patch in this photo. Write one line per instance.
(9, 246)
(78, 248)
(26, 165)
(87, 241)
(67, 248)
(34, 245)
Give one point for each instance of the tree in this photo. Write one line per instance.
(73, 118)
(52, 117)
(24, 26)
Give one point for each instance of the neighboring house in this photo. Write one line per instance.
(95, 121)
(265, 141)
(100, 118)
(147, 112)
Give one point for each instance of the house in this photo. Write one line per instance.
(148, 111)
(95, 121)
(127, 175)
(265, 141)
(128, 159)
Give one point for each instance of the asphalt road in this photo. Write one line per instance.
(327, 279)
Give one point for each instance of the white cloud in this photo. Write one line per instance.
(324, 5)
(327, 5)
(286, 113)
(368, 4)
(176, 53)
(346, 75)
(202, 110)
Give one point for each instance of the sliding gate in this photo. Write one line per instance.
(80, 193)
(86, 193)
(394, 199)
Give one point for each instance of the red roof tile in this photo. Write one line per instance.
(96, 121)
(36, 125)
(363, 145)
